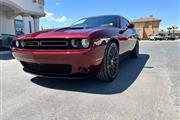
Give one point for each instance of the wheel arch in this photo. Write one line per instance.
(116, 42)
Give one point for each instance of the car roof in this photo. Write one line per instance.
(102, 16)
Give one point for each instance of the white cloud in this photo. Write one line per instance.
(62, 19)
(57, 3)
(48, 14)
(50, 17)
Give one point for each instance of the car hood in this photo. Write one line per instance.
(68, 32)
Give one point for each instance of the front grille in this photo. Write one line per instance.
(30, 43)
(53, 43)
(59, 69)
(46, 44)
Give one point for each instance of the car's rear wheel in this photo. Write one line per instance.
(110, 65)
(135, 52)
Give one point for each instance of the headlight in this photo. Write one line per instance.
(85, 43)
(75, 43)
(17, 43)
(22, 43)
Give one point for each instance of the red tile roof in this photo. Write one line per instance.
(148, 19)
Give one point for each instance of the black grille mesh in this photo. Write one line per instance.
(48, 68)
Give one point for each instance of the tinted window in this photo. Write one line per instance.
(146, 24)
(124, 22)
(19, 27)
(97, 21)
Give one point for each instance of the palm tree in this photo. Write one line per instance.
(169, 29)
(174, 28)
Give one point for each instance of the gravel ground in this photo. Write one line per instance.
(146, 88)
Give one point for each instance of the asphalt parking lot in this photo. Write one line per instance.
(147, 88)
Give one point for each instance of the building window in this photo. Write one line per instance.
(35, 1)
(30, 27)
(155, 24)
(18, 27)
(41, 2)
(146, 24)
(137, 25)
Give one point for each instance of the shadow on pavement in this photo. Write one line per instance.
(129, 71)
(8, 56)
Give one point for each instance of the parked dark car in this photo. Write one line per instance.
(170, 37)
(91, 46)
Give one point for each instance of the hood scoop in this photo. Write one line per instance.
(70, 28)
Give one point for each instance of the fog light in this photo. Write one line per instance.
(17, 43)
(83, 70)
(75, 43)
(85, 43)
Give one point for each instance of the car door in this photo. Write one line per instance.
(130, 34)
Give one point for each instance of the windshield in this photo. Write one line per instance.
(97, 21)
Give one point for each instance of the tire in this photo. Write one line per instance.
(110, 65)
(135, 52)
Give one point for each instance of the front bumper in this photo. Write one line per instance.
(44, 62)
(61, 76)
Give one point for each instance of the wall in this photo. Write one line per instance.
(29, 5)
(145, 31)
(26, 23)
(6, 25)
(9, 9)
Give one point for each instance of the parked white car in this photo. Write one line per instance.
(156, 37)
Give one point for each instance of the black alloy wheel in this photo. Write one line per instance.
(112, 61)
(110, 65)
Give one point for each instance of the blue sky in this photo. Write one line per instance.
(61, 13)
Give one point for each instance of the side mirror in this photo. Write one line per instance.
(130, 25)
(121, 31)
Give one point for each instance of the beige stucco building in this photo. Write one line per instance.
(20, 16)
(147, 26)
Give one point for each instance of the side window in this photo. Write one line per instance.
(124, 22)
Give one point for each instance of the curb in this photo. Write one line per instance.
(160, 41)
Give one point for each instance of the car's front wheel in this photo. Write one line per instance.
(110, 65)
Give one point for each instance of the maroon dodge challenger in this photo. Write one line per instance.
(91, 46)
